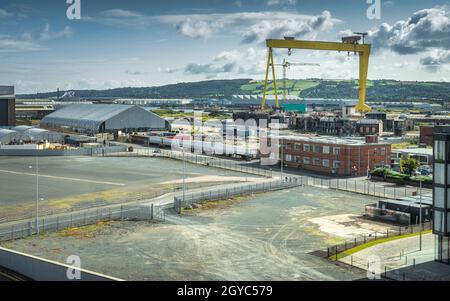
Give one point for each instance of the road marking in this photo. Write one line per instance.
(61, 178)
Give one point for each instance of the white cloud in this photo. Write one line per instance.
(209, 68)
(426, 32)
(435, 60)
(425, 29)
(253, 26)
(8, 44)
(280, 2)
(5, 14)
(197, 29)
(296, 26)
(47, 34)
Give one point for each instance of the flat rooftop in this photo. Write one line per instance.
(415, 151)
(329, 140)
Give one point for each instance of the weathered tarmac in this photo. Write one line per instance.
(264, 237)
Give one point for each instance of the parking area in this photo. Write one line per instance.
(78, 182)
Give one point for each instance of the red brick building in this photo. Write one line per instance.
(332, 155)
(426, 135)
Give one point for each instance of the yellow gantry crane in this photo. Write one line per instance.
(349, 44)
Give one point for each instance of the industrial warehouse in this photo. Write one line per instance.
(103, 118)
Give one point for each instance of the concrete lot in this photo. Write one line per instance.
(66, 182)
(404, 256)
(264, 237)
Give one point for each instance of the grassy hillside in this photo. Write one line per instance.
(378, 90)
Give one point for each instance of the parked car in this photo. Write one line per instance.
(425, 170)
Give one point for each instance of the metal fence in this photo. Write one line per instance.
(21, 229)
(107, 150)
(334, 251)
(181, 202)
(206, 161)
(403, 270)
(43, 211)
(382, 190)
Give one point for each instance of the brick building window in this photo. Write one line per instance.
(298, 146)
(306, 147)
(336, 150)
(316, 148)
(383, 151)
(336, 164)
(326, 163)
(326, 149)
(316, 161)
(298, 159)
(288, 158)
(307, 160)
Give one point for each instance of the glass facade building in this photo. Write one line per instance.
(441, 193)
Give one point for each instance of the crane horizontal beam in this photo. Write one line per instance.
(318, 45)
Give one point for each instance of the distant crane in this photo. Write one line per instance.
(287, 65)
(348, 44)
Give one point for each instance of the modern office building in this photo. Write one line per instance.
(441, 193)
(7, 106)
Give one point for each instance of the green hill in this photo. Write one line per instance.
(377, 90)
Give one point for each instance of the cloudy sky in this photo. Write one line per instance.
(149, 43)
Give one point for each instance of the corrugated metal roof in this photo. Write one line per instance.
(87, 116)
(4, 132)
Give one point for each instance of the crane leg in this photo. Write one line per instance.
(263, 103)
(275, 91)
(363, 70)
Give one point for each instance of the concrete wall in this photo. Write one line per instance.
(40, 269)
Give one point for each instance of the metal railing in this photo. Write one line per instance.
(205, 161)
(204, 197)
(403, 270)
(387, 190)
(338, 250)
(21, 229)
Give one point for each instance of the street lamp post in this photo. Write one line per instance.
(420, 216)
(282, 161)
(37, 194)
(184, 176)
